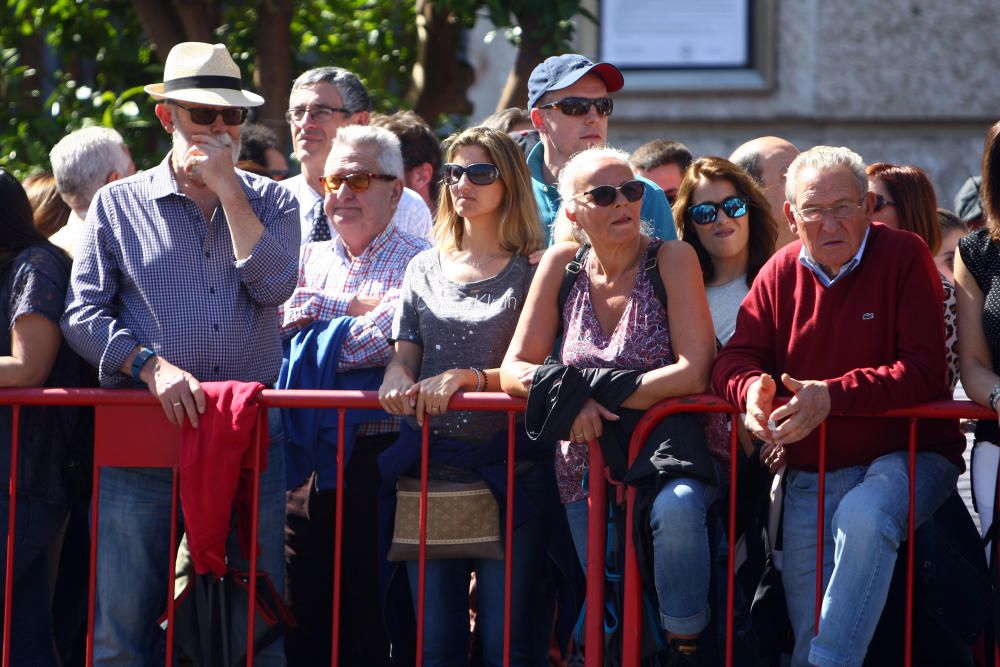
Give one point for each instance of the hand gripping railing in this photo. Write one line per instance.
(632, 615)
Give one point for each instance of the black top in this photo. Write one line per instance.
(982, 257)
(35, 281)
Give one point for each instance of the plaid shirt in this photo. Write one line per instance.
(150, 270)
(329, 279)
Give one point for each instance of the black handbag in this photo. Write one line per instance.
(203, 617)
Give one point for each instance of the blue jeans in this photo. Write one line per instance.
(865, 515)
(134, 553)
(681, 559)
(578, 518)
(37, 525)
(446, 603)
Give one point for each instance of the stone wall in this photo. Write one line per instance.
(906, 81)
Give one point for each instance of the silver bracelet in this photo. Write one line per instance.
(994, 397)
(479, 378)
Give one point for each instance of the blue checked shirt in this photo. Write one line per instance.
(151, 271)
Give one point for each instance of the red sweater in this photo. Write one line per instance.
(876, 337)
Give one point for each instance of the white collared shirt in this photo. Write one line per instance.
(824, 279)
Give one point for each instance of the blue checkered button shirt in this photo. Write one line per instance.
(150, 270)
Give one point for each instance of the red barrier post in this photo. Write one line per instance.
(820, 524)
(422, 548)
(254, 518)
(910, 525)
(338, 540)
(508, 571)
(731, 560)
(597, 534)
(8, 592)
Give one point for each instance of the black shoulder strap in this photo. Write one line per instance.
(573, 269)
(653, 272)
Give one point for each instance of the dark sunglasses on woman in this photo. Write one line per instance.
(881, 202)
(707, 212)
(579, 106)
(356, 182)
(605, 195)
(479, 173)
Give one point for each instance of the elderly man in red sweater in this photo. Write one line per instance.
(849, 320)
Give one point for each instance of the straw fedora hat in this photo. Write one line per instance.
(204, 74)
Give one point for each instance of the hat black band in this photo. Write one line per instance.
(206, 81)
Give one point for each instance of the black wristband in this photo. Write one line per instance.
(140, 360)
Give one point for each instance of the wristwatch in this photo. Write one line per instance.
(140, 360)
(994, 397)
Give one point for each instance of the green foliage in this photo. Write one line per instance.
(100, 57)
(65, 64)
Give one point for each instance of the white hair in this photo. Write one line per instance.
(572, 173)
(83, 160)
(389, 157)
(825, 158)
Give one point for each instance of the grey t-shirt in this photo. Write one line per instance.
(724, 302)
(460, 325)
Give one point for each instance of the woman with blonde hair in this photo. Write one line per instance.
(459, 304)
(635, 309)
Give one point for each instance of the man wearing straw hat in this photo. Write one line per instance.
(177, 280)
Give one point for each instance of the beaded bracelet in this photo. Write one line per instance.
(479, 378)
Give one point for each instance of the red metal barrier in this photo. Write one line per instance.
(631, 652)
(148, 453)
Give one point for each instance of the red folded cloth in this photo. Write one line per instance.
(211, 475)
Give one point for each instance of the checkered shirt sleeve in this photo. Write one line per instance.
(329, 280)
(151, 270)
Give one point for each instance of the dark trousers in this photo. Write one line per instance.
(309, 552)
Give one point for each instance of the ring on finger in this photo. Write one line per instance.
(177, 404)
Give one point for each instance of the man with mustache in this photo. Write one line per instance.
(177, 281)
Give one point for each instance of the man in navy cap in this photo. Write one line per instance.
(569, 105)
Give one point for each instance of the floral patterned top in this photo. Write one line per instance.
(640, 341)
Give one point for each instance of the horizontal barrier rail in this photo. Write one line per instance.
(343, 400)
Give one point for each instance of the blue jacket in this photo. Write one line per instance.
(654, 203)
(310, 362)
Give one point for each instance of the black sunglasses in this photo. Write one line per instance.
(579, 106)
(707, 212)
(356, 182)
(479, 173)
(605, 195)
(881, 202)
(206, 115)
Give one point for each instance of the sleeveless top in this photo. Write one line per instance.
(639, 341)
(982, 257)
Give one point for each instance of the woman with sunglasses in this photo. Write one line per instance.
(725, 217)
(613, 319)
(905, 199)
(459, 304)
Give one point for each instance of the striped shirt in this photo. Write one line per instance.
(151, 270)
(329, 279)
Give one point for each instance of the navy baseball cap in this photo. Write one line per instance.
(558, 72)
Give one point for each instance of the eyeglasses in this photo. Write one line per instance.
(231, 116)
(605, 195)
(479, 173)
(579, 106)
(320, 113)
(707, 212)
(881, 202)
(356, 182)
(840, 211)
